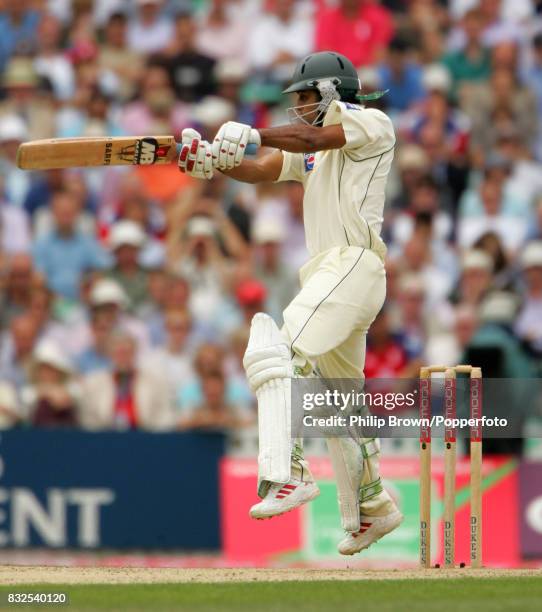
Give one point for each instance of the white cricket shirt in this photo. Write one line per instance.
(345, 188)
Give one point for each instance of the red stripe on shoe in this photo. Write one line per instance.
(280, 496)
(289, 486)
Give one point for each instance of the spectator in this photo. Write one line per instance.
(20, 277)
(10, 412)
(295, 248)
(96, 357)
(149, 31)
(412, 163)
(251, 296)
(215, 413)
(28, 98)
(15, 183)
(532, 76)
(527, 324)
(153, 312)
(386, 357)
(230, 75)
(16, 349)
(51, 63)
(115, 57)
(65, 254)
(210, 359)
(196, 253)
(502, 103)
(139, 210)
(270, 268)
(476, 278)
(191, 72)
(497, 169)
(174, 359)
(18, 26)
(472, 63)
(402, 76)
(128, 396)
(279, 39)
(222, 32)
(109, 299)
(510, 230)
(155, 110)
(359, 29)
(126, 241)
(15, 234)
(51, 397)
(413, 329)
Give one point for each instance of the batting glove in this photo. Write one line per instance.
(195, 157)
(230, 144)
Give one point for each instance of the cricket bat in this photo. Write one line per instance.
(86, 152)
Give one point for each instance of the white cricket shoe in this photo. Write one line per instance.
(282, 498)
(372, 529)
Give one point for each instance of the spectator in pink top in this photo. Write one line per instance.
(360, 29)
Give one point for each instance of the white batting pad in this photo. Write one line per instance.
(347, 460)
(269, 369)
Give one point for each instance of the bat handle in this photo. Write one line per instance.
(255, 137)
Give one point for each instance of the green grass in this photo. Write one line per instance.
(440, 595)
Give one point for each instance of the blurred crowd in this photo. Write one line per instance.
(126, 292)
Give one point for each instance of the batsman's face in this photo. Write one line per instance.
(306, 105)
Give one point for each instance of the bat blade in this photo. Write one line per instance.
(87, 152)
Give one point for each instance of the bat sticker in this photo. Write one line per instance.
(108, 153)
(308, 159)
(144, 152)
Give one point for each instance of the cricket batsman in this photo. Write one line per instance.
(342, 153)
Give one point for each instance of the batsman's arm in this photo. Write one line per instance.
(265, 169)
(301, 138)
(292, 138)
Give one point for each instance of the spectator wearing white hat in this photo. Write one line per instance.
(28, 97)
(64, 254)
(528, 324)
(126, 240)
(109, 298)
(281, 283)
(476, 277)
(51, 398)
(105, 310)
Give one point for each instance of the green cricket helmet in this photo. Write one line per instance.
(334, 77)
(325, 66)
